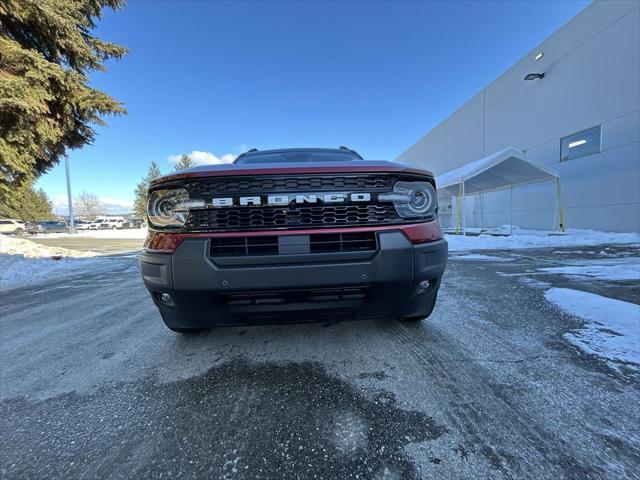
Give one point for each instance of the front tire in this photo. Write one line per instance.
(414, 319)
(18, 232)
(187, 331)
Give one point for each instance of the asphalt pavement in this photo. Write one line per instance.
(94, 386)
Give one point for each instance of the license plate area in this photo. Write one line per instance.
(293, 245)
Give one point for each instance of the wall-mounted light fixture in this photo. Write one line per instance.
(534, 76)
(577, 143)
(539, 55)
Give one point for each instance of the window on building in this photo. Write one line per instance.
(580, 144)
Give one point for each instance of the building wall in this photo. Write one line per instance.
(592, 77)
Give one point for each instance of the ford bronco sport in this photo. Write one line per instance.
(293, 235)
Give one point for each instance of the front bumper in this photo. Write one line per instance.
(386, 283)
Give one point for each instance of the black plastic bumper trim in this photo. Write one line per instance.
(200, 287)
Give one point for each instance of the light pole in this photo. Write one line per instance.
(72, 227)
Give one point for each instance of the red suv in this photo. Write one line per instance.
(293, 235)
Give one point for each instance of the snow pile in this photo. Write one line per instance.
(123, 233)
(612, 327)
(24, 262)
(539, 239)
(626, 269)
(27, 248)
(18, 271)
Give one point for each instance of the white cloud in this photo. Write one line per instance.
(205, 158)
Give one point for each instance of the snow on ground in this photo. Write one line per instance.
(539, 239)
(123, 233)
(622, 269)
(24, 262)
(18, 271)
(27, 248)
(611, 329)
(477, 256)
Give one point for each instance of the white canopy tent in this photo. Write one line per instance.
(503, 169)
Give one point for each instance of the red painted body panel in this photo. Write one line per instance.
(167, 242)
(282, 169)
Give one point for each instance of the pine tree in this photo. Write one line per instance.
(42, 206)
(185, 162)
(47, 106)
(33, 205)
(140, 203)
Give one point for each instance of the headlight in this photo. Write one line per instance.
(170, 208)
(412, 199)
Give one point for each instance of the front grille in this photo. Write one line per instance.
(208, 187)
(260, 218)
(316, 295)
(274, 245)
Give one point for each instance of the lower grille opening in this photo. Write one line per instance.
(342, 242)
(273, 245)
(244, 246)
(316, 295)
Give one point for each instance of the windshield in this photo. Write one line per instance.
(300, 156)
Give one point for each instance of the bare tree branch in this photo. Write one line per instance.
(87, 205)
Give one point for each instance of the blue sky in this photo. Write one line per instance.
(218, 77)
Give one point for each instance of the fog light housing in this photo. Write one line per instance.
(166, 299)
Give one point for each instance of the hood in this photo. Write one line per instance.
(352, 166)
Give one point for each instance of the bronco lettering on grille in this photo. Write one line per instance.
(286, 199)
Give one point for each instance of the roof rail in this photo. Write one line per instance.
(244, 153)
(342, 147)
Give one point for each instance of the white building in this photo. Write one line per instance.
(582, 119)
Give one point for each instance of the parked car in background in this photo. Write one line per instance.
(97, 224)
(9, 226)
(48, 226)
(113, 223)
(134, 223)
(82, 224)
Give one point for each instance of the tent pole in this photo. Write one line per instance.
(464, 220)
(458, 211)
(555, 214)
(481, 211)
(511, 209)
(559, 201)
